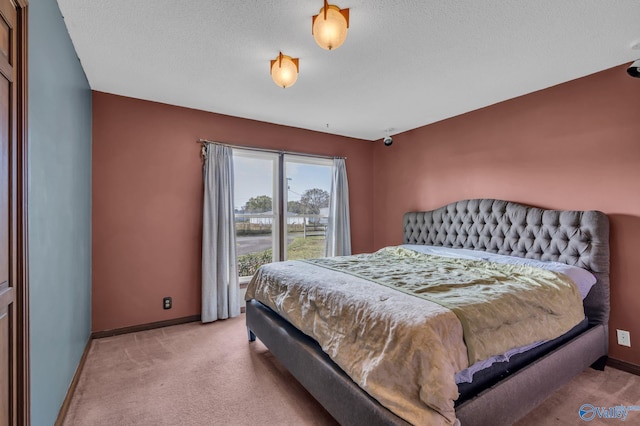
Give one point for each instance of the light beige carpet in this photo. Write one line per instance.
(601, 389)
(195, 374)
(190, 374)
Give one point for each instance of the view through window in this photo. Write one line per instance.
(305, 191)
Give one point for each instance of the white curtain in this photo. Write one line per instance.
(339, 230)
(219, 268)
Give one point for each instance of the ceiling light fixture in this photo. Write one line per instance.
(284, 70)
(329, 27)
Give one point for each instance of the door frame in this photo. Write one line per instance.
(20, 221)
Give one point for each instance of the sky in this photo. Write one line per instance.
(254, 176)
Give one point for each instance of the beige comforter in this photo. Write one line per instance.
(383, 321)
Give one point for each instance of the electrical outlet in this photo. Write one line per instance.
(167, 303)
(624, 338)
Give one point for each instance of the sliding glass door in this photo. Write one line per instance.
(256, 194)
(307, 191)
(266, 231)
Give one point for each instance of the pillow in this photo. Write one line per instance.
(583, 279)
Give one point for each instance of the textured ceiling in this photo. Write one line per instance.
(405, 63)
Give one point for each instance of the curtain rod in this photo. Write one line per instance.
(275, 151)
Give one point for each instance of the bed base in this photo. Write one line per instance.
(502, 404)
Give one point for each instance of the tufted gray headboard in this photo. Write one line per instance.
(579, 238)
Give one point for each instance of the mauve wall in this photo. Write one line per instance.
(574, 146)
(147, 201)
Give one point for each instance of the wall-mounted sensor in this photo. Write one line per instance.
(634, 69)
(388, 140)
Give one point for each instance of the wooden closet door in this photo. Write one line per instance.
(7, 327)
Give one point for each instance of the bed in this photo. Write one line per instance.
(505, 395)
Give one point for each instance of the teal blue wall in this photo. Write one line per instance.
(59, 210)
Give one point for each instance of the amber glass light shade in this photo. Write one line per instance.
(330, 26)
(284, 70)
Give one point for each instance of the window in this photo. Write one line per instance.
(266, 231)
